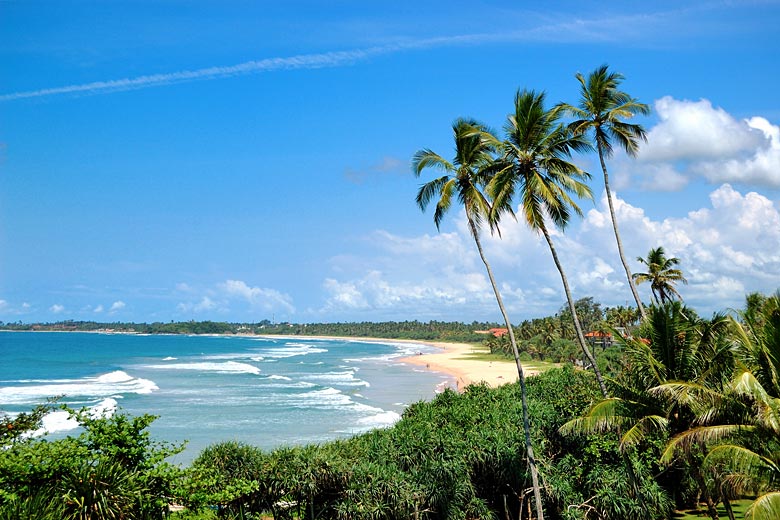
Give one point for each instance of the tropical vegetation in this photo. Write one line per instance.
(465, 178)
(662, 274)
(602, 111)
(653, 409)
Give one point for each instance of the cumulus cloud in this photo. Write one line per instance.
(98, 309)
(694, 139)
(267, 299)
(726, 249)
(697, 130)
(235, 297)
(57, 308)
(117, 306)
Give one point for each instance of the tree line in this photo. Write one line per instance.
(692, 418)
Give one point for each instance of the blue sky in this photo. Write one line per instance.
(240, 161)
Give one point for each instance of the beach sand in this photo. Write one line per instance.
(454, 359)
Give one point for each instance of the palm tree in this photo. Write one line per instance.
(680, 349)
(536, 151)
(662, 275)
(742, 419)
(464, 178)
(602, 110)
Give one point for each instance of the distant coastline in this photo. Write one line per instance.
(452, 358)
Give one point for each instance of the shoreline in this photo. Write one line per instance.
(452, 359)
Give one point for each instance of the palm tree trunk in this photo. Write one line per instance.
(521, 375)
(577, 326)
(617, 236)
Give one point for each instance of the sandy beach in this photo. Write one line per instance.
(455, 359)
(452, 358)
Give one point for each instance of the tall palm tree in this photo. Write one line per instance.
(538, 172)
(465, 178)
(601, 111)
(662, 275)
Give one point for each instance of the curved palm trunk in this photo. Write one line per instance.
(570, 300)
(617, 236)
(521, 375)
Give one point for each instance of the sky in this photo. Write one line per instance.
(249, 160)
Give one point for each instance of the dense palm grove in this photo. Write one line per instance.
(654, 409)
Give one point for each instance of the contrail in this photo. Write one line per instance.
(575, 30)
(304, 61)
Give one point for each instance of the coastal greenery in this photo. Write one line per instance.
(431, 330)
(113, 469)
(691, 424)
(464, 179)
(686, 413)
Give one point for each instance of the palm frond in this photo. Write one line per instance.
(445, 201)
(429, 159)
(643, 427)
(605, 415)
(765, 507)
(699, 436)
(429, 190)
(756, 470)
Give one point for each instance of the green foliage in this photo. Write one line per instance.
(431, 330)
(459, 456)
(111, 470)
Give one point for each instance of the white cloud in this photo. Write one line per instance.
(117, 306)
(761, 167)
(266, 299)
(98, 309)
(57, 308)
(9, 309)
(205, 304)
(697, 130)
(235, 297)
(726, 249)
(694, 139)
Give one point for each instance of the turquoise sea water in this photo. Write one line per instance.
(266, 392)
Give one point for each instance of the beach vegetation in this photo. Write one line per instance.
(464, 180)
(602, 112)
(535, 168)
(662, 274)
(112, 469)
(690, 426)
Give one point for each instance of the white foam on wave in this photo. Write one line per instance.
(402, 350)
(291, 350)
(169, 358)
(328, 399)
(227, 356)
(379, 420)
(113, 384)
(60, 420)
(281, 378)
(346, 378)
(228, 367)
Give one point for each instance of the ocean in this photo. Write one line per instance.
(268, 392)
